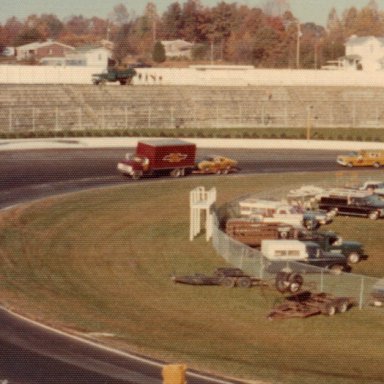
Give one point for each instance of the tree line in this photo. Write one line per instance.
(227, 32)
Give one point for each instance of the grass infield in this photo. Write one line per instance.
(100, 262)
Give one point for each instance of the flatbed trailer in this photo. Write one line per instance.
(305, 304)
(227, 277)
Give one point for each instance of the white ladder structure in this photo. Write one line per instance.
(201, 201)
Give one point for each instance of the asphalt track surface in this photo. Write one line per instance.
(34, 354)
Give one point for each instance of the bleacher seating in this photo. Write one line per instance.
(71, 107)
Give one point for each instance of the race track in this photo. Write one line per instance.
(34, 354)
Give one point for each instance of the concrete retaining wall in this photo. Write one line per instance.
(225, 76)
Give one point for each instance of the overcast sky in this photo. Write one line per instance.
(306, 10)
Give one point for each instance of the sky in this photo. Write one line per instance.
(306, 10)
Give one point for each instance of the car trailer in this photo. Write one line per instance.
(305, 304)
(227, 277)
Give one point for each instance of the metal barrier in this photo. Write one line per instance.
(145, 114)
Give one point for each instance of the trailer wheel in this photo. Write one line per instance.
(244, 282)
(342, 306)
(329, 309)
(228, 282)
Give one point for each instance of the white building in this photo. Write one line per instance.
(89, 57)
(177, 48)
(365, 53)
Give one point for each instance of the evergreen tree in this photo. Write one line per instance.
(158, 54)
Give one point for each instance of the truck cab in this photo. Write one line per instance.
(330, 241)
(301, 257)
(280, 211)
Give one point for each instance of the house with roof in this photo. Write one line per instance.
(177, 48)
(89, 56)
(38, 50)
(363, 53)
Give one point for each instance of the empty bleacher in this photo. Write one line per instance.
(80, 107)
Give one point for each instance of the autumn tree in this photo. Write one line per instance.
(12, 28)
(172, 22)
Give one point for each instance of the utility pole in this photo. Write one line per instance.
(298, 44)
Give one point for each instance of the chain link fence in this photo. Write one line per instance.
(252, 261)
(196, 114)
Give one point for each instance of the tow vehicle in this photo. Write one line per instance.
(301, 257)
(170, 156)
(122, 75)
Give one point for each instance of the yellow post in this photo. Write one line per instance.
(309, 122)
(174, 374)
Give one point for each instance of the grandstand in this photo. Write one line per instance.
(79, 107)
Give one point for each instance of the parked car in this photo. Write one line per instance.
(216, 164)
(366, 205)
(301, 257)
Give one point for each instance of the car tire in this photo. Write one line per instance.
(376, 165)
(374, 215)
(349, 165)
(329, 309)
(353, 258)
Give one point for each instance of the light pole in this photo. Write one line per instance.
(298, 44)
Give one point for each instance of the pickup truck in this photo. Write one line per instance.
(301, 257)
(252, 232)
(279, 211)
(331, 242)
(376, 187)
(122, 75)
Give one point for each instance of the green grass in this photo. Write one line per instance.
(101, 261)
